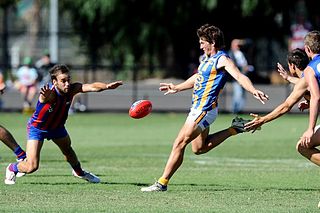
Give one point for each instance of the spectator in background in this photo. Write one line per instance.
(299, 30)
(27, 84)
(235, 53)
(43, 65)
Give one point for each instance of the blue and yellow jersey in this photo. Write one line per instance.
(49, 116)
(315, 65)
(209, 83)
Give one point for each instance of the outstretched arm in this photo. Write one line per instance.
(297, 93)
(99, 86)
(286, 75)
(243, 80)
(170, 88)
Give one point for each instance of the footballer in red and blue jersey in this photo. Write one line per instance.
(49, 118)
(48, 122)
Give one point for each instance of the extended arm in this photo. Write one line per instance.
(297, 93)
(286, 75)
(243, 80)
(170, 88)
(98, 86)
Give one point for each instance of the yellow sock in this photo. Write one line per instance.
(232, 131)
(163, 181)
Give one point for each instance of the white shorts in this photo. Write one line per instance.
(203, 119)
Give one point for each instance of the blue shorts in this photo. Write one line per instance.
(39, 135)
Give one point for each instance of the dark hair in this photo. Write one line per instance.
(299, 58)
(58, 69)
(212, 34)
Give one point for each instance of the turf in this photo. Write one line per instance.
(260, 172)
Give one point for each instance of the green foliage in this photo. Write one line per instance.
(248, 6)
(256, 172)
(210, 4)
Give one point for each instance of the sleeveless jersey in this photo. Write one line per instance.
(49, 116)
(209, 83)
(315, 65)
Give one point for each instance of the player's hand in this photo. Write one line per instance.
(255, 124)
(46, 94)
(303, 105)
(114, 85)
(2, 88)
(168, 87)
(284, 73)
(260, 96)
(305, 140)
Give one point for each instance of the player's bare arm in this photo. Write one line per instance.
(314, 105)
(243, 80)
(170, 88)
(286, 75)
(297, 93)
(99, 86)
(46, 94)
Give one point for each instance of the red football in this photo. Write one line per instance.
(140, 109)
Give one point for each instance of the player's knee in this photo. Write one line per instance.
(3, 132)
(300, 147)
(180, 144)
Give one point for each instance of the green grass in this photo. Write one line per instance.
(260, 172)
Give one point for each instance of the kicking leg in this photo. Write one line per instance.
(204, 142)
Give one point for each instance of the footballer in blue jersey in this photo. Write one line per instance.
(48, 121)
(207, 84)
(312, 76)
(308, 83)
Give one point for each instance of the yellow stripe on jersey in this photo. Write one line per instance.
(199, 118)
(208, 88)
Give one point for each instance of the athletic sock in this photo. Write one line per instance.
(77, 168)
(163, 181)
(20, 153)
(14, 167)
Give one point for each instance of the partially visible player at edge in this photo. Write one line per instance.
(48, 121)
(206, 84)
(7, 138)
(307, 144)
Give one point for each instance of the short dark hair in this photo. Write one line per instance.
(58, 69)
(211, 34)
(299, 58)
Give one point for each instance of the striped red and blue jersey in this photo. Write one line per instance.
(209, 83)
(49, 116)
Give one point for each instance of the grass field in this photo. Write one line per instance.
(260, 172)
